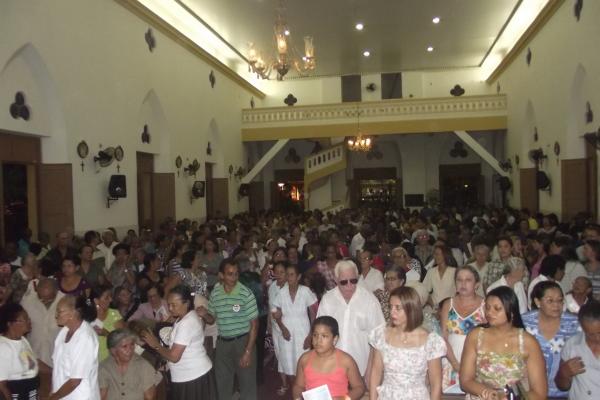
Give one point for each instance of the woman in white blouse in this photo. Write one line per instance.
(75, 357)
(513, 274)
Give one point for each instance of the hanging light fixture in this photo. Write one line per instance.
(359, 142)
(286, 56)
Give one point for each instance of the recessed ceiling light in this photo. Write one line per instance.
(286, 32)
(359, 26)
(366, 53)
(436, 20)
(430, 49)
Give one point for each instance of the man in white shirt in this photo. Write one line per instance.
(106, 247)
(358, 240)
(40, 302)
(370, 278)
(356, 310)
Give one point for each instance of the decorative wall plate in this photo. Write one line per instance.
(178, 162)
(119, 153)
(82, 149)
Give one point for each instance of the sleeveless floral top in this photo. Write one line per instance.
(460, 325)
(497, 370)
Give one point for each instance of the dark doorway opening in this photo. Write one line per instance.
(461, 185)
(15, 200)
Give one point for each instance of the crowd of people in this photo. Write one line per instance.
(487, 303)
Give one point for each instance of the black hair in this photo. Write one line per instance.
(539, 290)
(226, 262)
(120, 246)
(506, 239)
(294, 267)
(329, 322)
(99, 290)
(595, 246)
(154, 285)
(565, 243)
(187, 259)
(149, 258)
(89, 235)
(284, 264)
(545, 240)
(35, 248)
(590, 311)
(185, 294)
(213, 241)
(9, 313)
(551, 265)
(85, 308)
(510, 303)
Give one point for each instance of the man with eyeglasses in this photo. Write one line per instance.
(356, 310)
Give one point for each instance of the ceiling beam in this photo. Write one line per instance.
(481, 152)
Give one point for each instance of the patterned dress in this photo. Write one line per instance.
(458, 329)
(405, 369)
(569, 326)
(497, 370)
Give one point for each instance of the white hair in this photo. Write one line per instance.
(344, 265)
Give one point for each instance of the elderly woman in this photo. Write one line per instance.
(125, 375)
(513, 278)
(551, 327)
(19, 370)
(410, 266)
(579, 295)
(370, 278)
(75, 372)
(186, 357)
(481, 255)
(394, 277)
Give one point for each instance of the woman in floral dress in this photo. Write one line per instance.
(500, 354)
(405, 354)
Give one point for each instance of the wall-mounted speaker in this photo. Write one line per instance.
(116, 187)
(244, 190)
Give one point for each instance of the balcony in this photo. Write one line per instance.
(469, 113)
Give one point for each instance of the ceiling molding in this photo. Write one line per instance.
(148, 16)
(544, 16)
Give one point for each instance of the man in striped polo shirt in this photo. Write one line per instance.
(233, 306)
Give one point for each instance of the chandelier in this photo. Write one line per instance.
(359, 142)
(287, 56)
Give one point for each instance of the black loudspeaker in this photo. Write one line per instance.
(504, 183)
(244, 190)
(116, 187)
(542, 181)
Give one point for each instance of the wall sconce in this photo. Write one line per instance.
(281, 185)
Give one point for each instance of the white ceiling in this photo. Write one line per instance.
(397, 32)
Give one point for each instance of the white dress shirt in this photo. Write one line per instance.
(373, 280)
(356, 319)
(519, 290)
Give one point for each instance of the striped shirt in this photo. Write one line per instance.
(595, 278)
(233, 311)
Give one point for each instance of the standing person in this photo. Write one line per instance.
(186, 357)
(274, 289)
(327, 365)
(75, 372)
(106, 248)
(458, 316)
(579, 365)
(293, 317)
(125, 375)
(500, 353)
(551, 327)
(357, 311)
(233, 306)
(19, 378)
(40, 305)
(405, 353)
(439, 281)
(370, 278)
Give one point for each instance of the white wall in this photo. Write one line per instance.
(551, 94)
(88, 75)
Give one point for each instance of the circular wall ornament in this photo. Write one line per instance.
(82, 149)
(517, 159)
(119, 153)
(557, 148)
(178, 162)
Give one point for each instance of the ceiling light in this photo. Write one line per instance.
(286, 32)
(366, 53)
(359, 26)
(430, 49)
(436, 20)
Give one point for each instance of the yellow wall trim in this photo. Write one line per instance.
(376, 128)
(534, 28)
(147, 15)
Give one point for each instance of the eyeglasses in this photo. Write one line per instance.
(344, 282)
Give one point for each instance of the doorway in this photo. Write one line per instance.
(210, 205)
(461, 185)
(15, 199)
(145, 169)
